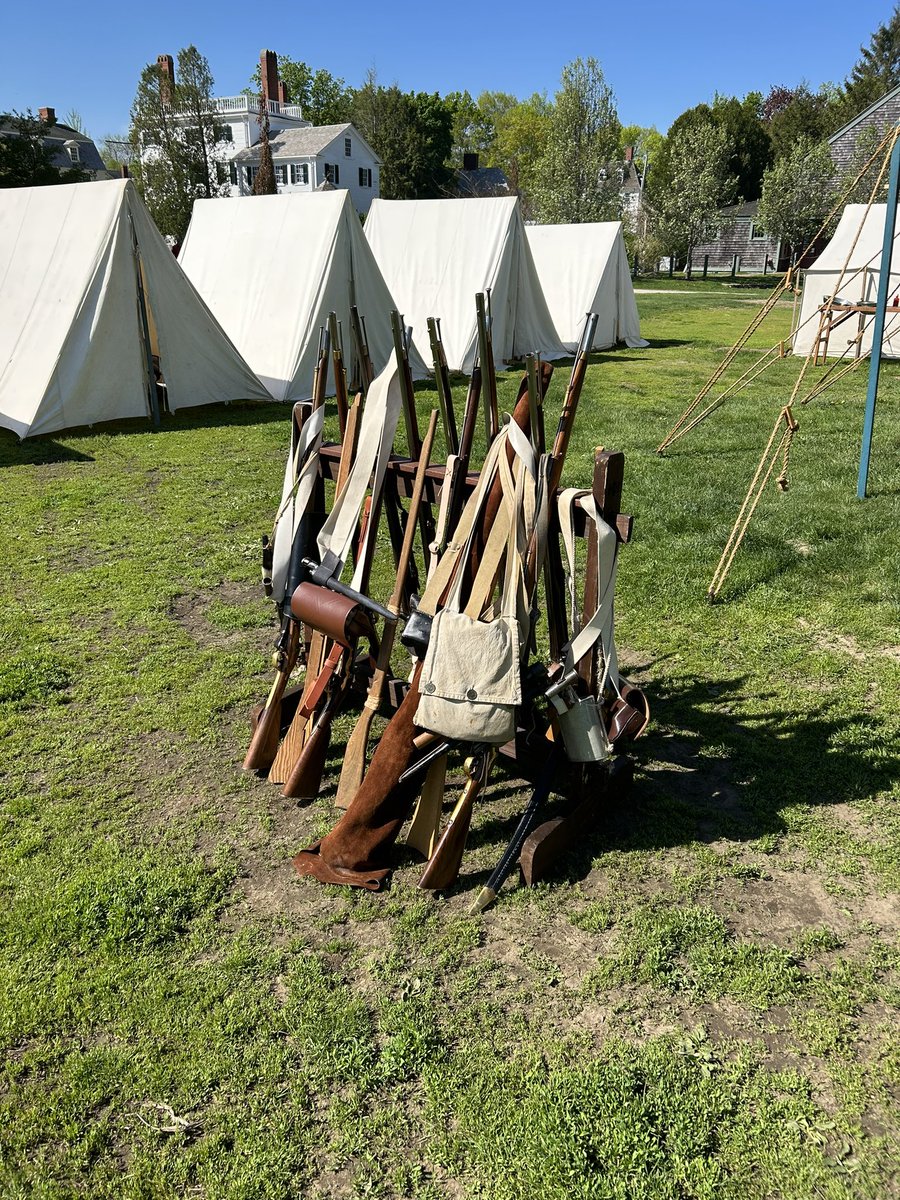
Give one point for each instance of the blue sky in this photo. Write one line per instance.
(659, 58)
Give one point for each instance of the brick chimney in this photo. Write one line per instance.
(47, 115)
(166, 66)
(470, 161)
(629, 154)
(268, 72)
(282, 92)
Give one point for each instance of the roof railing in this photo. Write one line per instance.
(232, 105)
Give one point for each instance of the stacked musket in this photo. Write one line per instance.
(475, 690)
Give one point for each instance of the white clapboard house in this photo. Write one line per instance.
(306, 157)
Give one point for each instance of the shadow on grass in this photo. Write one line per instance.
(705, 774)
(43, 450)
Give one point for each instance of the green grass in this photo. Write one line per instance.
(703, 1003)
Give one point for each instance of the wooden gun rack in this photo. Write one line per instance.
(588, 787)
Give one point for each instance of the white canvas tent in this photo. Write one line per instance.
(436, 255)
(859, 284)
(72, 350)
(272, 268)
(584, 268)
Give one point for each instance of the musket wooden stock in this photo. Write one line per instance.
(443, 866)
(295, 738)
(422, 834)
(305, 779)
(357, 845)
(264, 742)
(340, 377)
(267, 728)
(332, 675)
(354, 767)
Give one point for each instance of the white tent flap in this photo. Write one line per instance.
(436, 255)
(71, 341)
(849, 267)
(584, 268)
(271, 268)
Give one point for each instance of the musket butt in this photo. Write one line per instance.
(485, 897)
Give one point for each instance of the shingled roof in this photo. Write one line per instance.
(304, 143)
(55, 137)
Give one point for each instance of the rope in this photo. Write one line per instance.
(676, 431)
(754, 495)
(681, 426)
(785, 443)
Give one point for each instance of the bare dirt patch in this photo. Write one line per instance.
(845, 643)
(191, 611)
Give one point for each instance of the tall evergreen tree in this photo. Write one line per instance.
(877, 70)
(412, 134)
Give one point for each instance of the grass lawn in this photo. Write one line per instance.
(703, 1005)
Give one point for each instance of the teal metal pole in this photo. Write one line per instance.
(884, 281)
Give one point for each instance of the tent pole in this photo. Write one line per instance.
(884, 280)
(152, 397)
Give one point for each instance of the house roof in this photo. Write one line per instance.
(747, 209)
(865, 114)
(55, 138)
(483, 181)
(308, 142)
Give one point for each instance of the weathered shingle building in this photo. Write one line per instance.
(880, 116)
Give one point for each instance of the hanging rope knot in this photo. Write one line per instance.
(787, 442)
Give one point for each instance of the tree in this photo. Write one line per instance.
(412, 134)
(264, 182)
(793, 113)
(572, 180)
(688, 210)
(473, 128)
(175, 132)
(25, 161)
(798, 192)
(874, 179)
(877, 70)
(116, 151)
(748, 149)
(521, 135)
(323, 98)
(75, 121)
(644, 141)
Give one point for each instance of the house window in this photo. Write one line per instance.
(281, 174)
(248, 176)
(73, 152)
(757, 234)
(365, 177)
(347, 148)
(227, 133)
(332, 173)
(299, 173)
